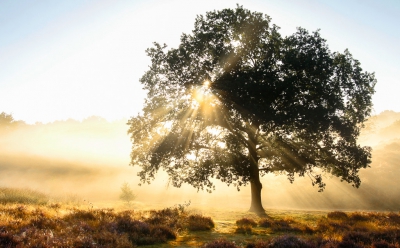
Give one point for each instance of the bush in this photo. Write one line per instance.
(246, 222)
(278, 225)
(244, 229)
(8, 240)
(221, 243)
(358, 217)
(258, 244)
(266, 223)
(199, 223)
(382, 244)
(358, 237)
(78, 214)
(289, 242)
(170, 217)
(337, 215)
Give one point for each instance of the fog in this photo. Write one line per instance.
(89, 160)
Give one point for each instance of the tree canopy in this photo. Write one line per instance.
(236, 100)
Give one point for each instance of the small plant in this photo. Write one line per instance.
(382, 244)
(126, 193)
(244, 229)
(221, 243)
(245, 225)
(358, 217)
(198, 222)
(246, 222)
(289, 241)
(337, 215)
(266, 223)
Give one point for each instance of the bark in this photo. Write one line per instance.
(256, 186)
(256, 205)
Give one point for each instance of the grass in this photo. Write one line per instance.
(46, 223)
(22, 196)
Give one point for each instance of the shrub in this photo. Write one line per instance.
(394, 218)
(348, 244)
(391, 235)
(266, 222)
(246, 222)
(8, 240)
(278, 225)
(244, 229)
(198, 222)
(358, 237)
(221, 243)
(382, 244)
(358, 217)
(142, 233)
(258, 244)
(289, 242)
(78, 214)
(337, 215)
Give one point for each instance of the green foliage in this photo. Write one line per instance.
(126, 194)
(273, 104)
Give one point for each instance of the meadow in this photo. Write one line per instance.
(32, 219)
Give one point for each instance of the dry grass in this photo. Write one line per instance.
(61, 225)
(57, 224)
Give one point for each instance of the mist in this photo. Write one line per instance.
(89, 160)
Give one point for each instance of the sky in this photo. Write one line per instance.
(79, 58)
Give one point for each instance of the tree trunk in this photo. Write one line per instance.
(256, 186)
(256, 205)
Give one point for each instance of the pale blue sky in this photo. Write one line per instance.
(76, 58)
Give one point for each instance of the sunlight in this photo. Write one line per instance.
(207, 84)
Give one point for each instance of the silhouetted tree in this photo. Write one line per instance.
(7, 121)
(236, 100)
(127, 194)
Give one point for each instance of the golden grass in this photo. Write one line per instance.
(60, 224)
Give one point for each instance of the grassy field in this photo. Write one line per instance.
(31, 219)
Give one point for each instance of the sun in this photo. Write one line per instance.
(207, 84)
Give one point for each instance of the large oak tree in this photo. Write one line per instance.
(236, 100)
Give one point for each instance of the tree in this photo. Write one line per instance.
(236, 100)
(127, 194)
(7, 122)
(6, 119)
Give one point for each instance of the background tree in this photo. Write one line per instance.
(127, 194)
(6, 119)
(236, 100)
(7, 122)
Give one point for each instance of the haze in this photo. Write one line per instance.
(88, 160)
